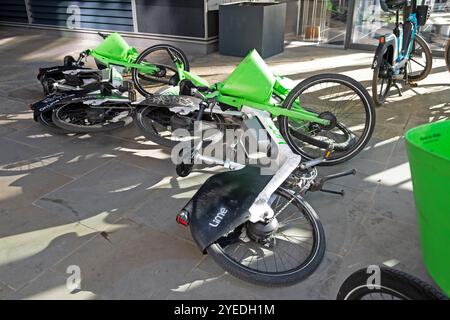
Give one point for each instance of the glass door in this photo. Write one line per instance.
(323, 21)
(370, 22)
(437, 30)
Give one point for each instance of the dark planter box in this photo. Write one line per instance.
(251, 25)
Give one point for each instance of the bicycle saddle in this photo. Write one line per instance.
(222, 202)
(394, 4)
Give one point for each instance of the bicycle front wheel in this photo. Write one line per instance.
(341, 100)
(381, 83)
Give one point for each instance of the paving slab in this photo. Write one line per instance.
(21, 188)
(5, 291)
(340, 215)
(109, 192)
(51, 286)
(168, 197)
(380, 149)
(79, 155)
(203, 286)
(213, 275)
(37, 136)
(133, 262)
(378, 241)
(14, 152)
(27, 251)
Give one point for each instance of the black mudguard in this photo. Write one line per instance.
(384, 51)
(56, 72)
(52, 101)
(222, 203)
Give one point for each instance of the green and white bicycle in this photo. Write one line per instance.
(323, 112)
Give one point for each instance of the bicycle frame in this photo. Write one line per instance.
(285, 163)
(392, 44)
(143, 67)
(281, 89)
(401, 58)
(115, 51)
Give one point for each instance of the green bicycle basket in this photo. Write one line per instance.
(252, 80)
(114, 47)
(428, 149)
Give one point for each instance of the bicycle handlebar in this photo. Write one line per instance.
(102, 35)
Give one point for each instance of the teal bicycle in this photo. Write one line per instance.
(402, 55)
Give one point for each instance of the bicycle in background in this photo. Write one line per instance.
(402, 55)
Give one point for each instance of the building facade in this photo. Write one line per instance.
(194, 23)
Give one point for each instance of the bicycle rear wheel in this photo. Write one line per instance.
(338, 98)
(420, 61)
(80, 118)
(45, 119)
(162, 57)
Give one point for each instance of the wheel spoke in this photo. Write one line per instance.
(288, 247)
(417, 63)
(344, 102)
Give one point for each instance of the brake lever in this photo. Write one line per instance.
(318, 184)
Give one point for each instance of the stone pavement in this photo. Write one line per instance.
(107, 202)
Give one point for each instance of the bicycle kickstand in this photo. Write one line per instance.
(395, 85)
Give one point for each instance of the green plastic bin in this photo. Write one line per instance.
(429, 157)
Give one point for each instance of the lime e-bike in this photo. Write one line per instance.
(253, 220)
(153, 65)
(326, 111)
